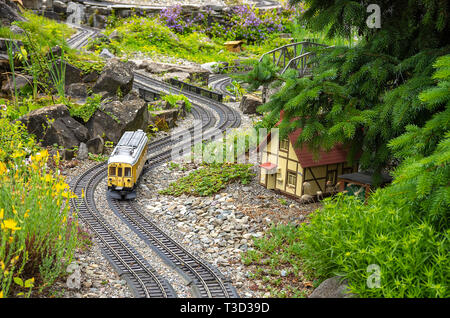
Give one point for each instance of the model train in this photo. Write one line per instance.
(126, 163)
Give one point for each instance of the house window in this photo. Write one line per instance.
(279, 176)
(284, 144)
(292, 179)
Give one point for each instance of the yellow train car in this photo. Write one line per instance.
(126, 163)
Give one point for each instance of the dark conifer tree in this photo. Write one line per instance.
(368, 94)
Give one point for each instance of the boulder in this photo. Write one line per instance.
(195, 72)
(15, 45)
(115, 75)
(83, 153)
(115, 35)
(16, 29)
(90, 77)
(132, 95)
(21, 82)
(9, 13)
(72, 73)
(160, 118)
(249, 103)
(106, 54)
(77, 90)
(60, 7)
(333, 287)
(54, 125)
(95, 145)
(181, 76)
(114, 118)
(214, 67)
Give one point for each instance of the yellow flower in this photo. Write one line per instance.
(2, 214)
(47, 178)
(41, 155)
(10, 224)
(18, 154)
(69, 195)
(61, 186)
(3, 168)
(27, 214)
(1, 293)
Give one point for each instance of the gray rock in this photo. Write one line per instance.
(54, 125)
(9, 12)
(249, 103)
(114, 118)
(132, 95)
(95, 145)
(83, 152)
(77, 90)
(59, 6)
(72, 73)
(22, 81)
(333, 287)
(16, 29)
(115, 35)
(90, 77)
(115, 75)
(105, 53)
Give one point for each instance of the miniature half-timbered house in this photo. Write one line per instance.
(295, 172)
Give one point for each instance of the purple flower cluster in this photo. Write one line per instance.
(174, 19)
(240, 23)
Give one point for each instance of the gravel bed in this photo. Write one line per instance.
(218, 228)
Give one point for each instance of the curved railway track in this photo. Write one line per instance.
(219, 83)
(141, 277)
(204, 279)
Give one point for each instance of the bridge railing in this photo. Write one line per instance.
(292, 56)
(284, 54)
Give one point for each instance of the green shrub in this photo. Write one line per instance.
(172, 99)
(38, 231)
(86, 111)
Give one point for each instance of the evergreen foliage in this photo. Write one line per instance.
(403, 228)
(366, 95)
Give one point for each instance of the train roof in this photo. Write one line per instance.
(129, 148)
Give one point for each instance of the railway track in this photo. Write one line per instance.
(140, 276)
(204, 279)
(219, 83)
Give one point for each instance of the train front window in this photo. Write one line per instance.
(112, 171)
(127, 172)
(119, 172)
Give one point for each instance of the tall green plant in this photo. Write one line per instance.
(9, 48)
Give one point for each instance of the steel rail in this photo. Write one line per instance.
(120, 254)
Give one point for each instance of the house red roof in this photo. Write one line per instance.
(337, 154)
(305, 157)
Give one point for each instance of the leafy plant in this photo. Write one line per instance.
(86, 111)
(209, 180)
(36, 244)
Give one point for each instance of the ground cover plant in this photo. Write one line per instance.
(38, 230)
(209, 179)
